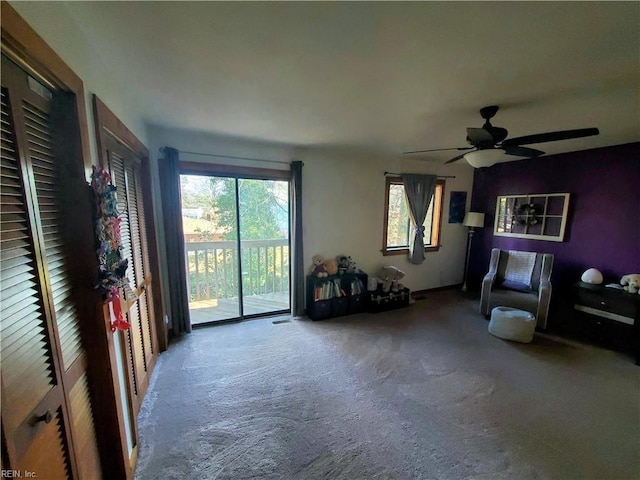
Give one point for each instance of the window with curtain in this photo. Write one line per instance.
(397, 225)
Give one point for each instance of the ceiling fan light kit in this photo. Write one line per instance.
(484, 158)
(491, 143)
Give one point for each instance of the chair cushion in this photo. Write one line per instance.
(516, 286)
(520, 300)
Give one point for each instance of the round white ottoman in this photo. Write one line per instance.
(512, 324)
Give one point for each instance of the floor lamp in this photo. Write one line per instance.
(472, 220)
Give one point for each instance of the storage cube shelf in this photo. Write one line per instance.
(336, 295)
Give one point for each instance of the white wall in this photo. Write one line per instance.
(203, 142)
(55, 24)
(343, 205)
(343, 201)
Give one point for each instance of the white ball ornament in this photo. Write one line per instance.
(592, 276)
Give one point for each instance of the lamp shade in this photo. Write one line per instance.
(474, 219)
(593, 276)
(484, 158)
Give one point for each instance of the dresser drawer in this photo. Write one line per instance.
(611, 305)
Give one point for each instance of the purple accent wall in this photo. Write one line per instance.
(603, 224)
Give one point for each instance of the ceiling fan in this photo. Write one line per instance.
(489, 143)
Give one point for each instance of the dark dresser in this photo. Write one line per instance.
(609, 308)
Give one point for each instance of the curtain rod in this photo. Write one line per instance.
(439, 176)
(230, 156)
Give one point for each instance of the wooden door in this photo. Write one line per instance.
(47, 417)
(141, 345)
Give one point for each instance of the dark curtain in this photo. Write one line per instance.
(418, 191)
(297, 265)
(179, 320)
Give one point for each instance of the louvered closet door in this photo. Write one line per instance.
(47, 416)
(139, 252)
(125, 174)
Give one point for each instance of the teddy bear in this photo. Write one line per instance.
(331, 266)
(317, 268)
(631, 283)
(389, 277)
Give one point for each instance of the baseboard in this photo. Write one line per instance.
(419, 293)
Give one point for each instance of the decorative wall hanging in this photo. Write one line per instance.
(527, 214)
(457, 206)
(112, 267)
(538, 217)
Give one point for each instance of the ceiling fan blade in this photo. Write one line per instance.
(550, 137)
(438, 150)
(522, 151)
(477, 136)
(455, 159)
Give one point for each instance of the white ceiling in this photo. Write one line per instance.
(383, 77)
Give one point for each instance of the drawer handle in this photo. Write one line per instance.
(45, 417)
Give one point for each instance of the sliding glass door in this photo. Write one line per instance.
(264, 245)
(237, 246)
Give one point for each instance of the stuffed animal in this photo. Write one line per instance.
(331, 266)
(343, 263)
(352, 267)
(631, 283)
(317, 267)
(396, 286)
(390, 277)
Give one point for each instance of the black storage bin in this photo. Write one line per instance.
(339, 306)
(357, 303)
(319, 310)
(380, 301)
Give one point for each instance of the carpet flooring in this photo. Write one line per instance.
(424, 392)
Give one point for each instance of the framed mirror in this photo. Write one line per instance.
(534, 216)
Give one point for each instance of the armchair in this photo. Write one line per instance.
(499, 289)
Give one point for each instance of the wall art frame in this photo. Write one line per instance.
(457, 206)
(540, 216)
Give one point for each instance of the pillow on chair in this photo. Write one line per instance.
(520, 267)
(516, 286)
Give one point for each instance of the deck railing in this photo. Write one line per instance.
(213, 268)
